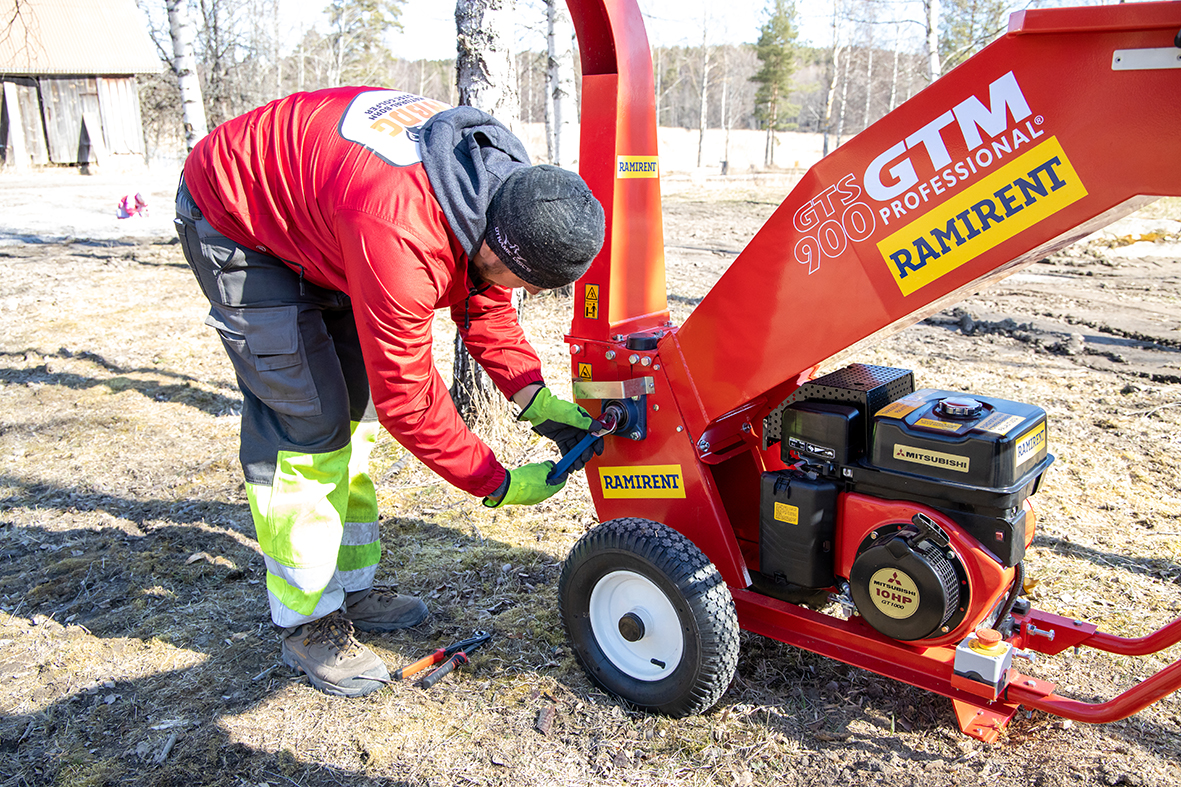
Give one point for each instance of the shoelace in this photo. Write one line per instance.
(333, 630)
(382, 593)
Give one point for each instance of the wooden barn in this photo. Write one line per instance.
(68, 71)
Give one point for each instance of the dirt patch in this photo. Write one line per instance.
(134, 640)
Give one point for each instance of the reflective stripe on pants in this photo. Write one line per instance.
(315, 551)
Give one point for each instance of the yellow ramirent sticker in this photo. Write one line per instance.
(1030, 188)
(1029, 445)
(637, 167)
(642, 481)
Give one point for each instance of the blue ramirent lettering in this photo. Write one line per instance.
(981, 217)
(637, 166)
(642, 481)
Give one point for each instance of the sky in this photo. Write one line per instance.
(429, 25)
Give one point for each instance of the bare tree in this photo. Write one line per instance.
(185, 65)
(931, 18)
(486, 77)
(486, 69)
(706, 64)
(837, 48)
(561, 104)
(356, 33)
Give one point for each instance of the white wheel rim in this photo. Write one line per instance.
(658, 652)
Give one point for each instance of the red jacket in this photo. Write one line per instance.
(331, 183)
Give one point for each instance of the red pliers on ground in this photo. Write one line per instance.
(453, 656)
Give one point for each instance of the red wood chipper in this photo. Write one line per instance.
(740, 489)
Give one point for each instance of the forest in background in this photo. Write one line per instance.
(879, 54)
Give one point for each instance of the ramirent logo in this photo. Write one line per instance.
(907, 453)
(1004, 98)
(1027, 190)
(1029, 444)
(643, 481)
(637, 167)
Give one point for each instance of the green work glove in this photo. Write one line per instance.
(544, 406)
(563, 422)
(525, 486)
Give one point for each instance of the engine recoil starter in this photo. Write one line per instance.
(905, 587)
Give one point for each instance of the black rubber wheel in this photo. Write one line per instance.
(649, 617)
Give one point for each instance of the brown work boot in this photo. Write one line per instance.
(333, 660)
(380, 609)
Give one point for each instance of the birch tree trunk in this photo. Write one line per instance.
(487, 79)
(486, 71)
(931, 16)
(705, 67)
(561, 95)
(184, 33)
(868, 86)
(894, 78)
(844, 100)
(836, 68)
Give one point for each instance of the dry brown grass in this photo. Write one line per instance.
(135, 646)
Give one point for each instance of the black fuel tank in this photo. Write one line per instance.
(977, 441)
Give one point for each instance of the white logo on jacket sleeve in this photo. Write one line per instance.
(388, 123)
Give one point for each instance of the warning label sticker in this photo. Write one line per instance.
(785, 512)
(900, 408)
(584, 371)
(999, 423)
(940, 426)
(590, 302)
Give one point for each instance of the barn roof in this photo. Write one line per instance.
(75, 37)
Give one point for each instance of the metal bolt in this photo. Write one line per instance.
(609, 355)
(950, 555)
(1030, 683)
(703, 444)
(575, 349)
(874, 534)
(645, 361)
(635, 434)
(944, 629)
(746, 428)
(633, 358)
(655, 407)
(656, 366)
(618, 337)
(680, 428)
(1034, 631)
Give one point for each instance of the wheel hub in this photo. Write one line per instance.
(636, 625)
(631, 627)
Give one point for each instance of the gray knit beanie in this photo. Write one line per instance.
(545, 225)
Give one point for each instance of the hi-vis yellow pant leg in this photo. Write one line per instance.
(317, 528)
(308, 423)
